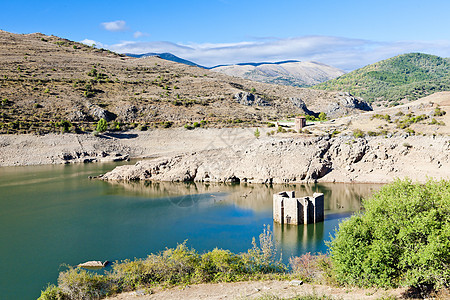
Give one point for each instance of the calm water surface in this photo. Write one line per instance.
(54, 215)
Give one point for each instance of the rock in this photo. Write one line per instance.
(77, 116)
(94, 264)
(346, 103)
(301, 104)
(99, 113)
(249, 99)
(295, 282)
(290, 160)
(128, 113)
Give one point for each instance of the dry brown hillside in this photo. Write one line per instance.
(46, 80)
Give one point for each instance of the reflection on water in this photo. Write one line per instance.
(339, 197)
(341, 200)
(51, 215)
(299, 237)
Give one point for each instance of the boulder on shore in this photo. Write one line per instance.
(93, 264)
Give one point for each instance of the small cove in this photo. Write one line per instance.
(54, 215)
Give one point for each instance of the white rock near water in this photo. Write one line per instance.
(308, 159)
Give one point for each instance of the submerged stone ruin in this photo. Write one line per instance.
(290, 210)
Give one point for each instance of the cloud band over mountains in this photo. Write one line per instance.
(344, 53)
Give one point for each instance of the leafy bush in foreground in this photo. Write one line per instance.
(173, 266)
(402, 238)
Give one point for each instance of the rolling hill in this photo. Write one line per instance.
(398, 79)
(293, 73)
(167, 56)
(50, 84)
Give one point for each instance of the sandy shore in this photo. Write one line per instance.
(22, 150)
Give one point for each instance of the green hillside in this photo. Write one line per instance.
(408, 76)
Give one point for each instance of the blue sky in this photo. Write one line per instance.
(347, 34)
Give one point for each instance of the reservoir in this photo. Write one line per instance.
(54, 215)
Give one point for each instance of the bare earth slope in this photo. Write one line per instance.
(45, 80)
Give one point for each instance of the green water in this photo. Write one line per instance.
(55, 215)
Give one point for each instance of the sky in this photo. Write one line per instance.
(345, 34)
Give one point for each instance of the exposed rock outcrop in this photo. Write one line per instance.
(249, 99)
(290, 160)
(100, 113)
(127, 113)
(346, 104)
(302, 105)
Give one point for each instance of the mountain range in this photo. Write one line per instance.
(294, 73)
(166, 56)
(288, 72)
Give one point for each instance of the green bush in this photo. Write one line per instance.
(220, 266)
(102, 125)
(64, 125)
(402, 238)
(322, 116)
(77, 283)
(52, 292)
(257, 133)
(358, 133)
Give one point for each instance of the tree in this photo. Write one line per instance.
(402, 238)
(322, 116)
(102, 125)
(257, 133)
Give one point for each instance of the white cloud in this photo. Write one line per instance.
(345, 53)
(115, 26)
(92, 42)
(139, 34)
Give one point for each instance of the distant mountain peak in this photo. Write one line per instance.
(288, 72)
(167, 56)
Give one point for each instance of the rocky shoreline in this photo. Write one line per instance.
(235, 155)
(302, 159)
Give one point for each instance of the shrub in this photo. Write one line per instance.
(358, 133)
(322, 116)
(263, 258)
(439, 112)
(257, 133)
(166, 124)
(52, 292)
(102, 125)
(219, 265)
(407, 145)
(402, 238)
(64, 125)
(180, 265)
(335, 133)
(77, 283)
(312, 268)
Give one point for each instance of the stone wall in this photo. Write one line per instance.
(290, 210)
